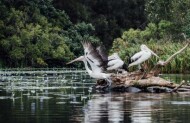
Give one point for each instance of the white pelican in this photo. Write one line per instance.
(141, 56)
(95, 60)
(115, 63)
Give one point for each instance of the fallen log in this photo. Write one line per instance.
(153, 84)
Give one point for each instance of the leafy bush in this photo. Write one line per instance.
(186, 28)
(156, 38)
(34, 33)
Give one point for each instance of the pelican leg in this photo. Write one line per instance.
(109, 81)
(117, 73)
(140, 68)
(142, 76)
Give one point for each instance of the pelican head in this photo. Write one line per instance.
(145, 48)
(114, 56)
(81, 58)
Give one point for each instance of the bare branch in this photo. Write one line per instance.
(177, 87)
(157, 68)
(163, 63)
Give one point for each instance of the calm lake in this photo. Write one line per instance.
(66, 96)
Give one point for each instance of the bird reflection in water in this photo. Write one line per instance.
(104, 108)
(117, 108)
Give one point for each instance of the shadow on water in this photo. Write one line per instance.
(67, 97)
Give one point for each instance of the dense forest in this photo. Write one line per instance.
(47, 33)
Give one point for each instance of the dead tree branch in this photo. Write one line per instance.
(177, 87)
(164, 63)
(156, 70)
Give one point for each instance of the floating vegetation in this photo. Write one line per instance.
(51, 96)
(40, 97)
(5, 97)
(8, 97)
(180, 102)
(60, 102)
(73, 102)
(41, 80)
(63, 98)
(84, 97)
(38, 72)
(61, 85)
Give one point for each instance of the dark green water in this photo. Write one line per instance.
(66, 97)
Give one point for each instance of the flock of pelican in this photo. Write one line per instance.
(97, 62)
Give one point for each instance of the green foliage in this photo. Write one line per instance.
(153, 32)
(174, 11)
(41, 62)
(109, 17)
(34, 33)
(186, 27)
(158, 10)
(164, 28)
(131, 40)
(78, 33)
(44, 33)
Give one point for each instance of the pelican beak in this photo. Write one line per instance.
(77, 59)
(154, 53)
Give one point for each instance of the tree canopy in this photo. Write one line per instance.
(47, 33)
(35, 33)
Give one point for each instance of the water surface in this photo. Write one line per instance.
(66, 96)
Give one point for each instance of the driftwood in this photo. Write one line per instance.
(147, 81)
(177, 87)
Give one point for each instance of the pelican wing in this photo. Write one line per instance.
(143, 57)
(93, 57)
(112, 62)
(115, 64)
(102, 52)
(136, 56)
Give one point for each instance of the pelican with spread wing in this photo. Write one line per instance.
(97, 61)
(141, 56)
